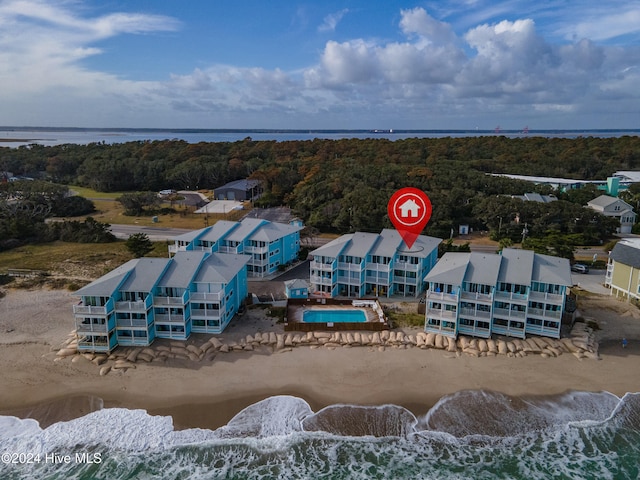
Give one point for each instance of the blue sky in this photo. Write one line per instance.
(333, 64)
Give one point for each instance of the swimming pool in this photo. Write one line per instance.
(333, 316)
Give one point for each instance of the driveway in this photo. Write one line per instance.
(591, 282)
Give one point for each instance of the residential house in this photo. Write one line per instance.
(616, 208)
(245, 189)
(369, 264)
(516, 293)
(536, 197)
(269, 244)
(150, 298)
(623, 269)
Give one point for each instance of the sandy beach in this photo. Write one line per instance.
(208, 393)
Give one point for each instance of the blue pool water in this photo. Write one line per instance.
(335, 316)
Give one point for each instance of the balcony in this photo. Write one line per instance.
(209, 313)
(87, 344)
(129, 323)
(508, 313)
(88, 328)
(436, 312)
(516, 297)
(480, 297)
(349, 280)
(137, 306)
(548, 297)
(162, 300)
(318, 280)
(472, 312)
(83, 309)
(256, 249)
(168, 318)
(449, 297)
(327, 267)
(378, 267)
(352, 267)
(206, 296)
(228, 249)
(539, 312)
(407, 267)
(377, 280)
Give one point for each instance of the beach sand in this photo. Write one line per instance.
(207, 394)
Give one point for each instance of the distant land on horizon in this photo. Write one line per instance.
(311, 130)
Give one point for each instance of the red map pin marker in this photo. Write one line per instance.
(409, 210)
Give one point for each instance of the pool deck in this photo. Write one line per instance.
(371, 308)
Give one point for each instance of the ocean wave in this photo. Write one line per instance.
(473, 433)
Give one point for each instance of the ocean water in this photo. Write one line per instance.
(471, 434)
(20, 136)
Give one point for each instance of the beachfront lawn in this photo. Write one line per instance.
(86, 261)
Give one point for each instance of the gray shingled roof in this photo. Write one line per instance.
(144, 274)
(221, 268)
(218, 230)
(191, 236)
(605, 200)
(360, 244)
(387, 244)
(243, 184)
(627, 253)
(334, 247)
(244, 229)
(483, 268)
(450, 269)
(274, 231)
(183, 267)
(516, 266)
(296, 283)
(548, 269)
(106, 285)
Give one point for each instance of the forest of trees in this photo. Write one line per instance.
(344, 185)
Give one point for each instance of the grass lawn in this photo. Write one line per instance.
(110, 211)
(93, 194)
(75, 260)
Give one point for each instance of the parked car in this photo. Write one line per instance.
(579, 268)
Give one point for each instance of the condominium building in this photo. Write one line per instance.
(516, 293)
(370, 264)
(150, 298)
(269, 244)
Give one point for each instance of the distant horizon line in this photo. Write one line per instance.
(310, 130)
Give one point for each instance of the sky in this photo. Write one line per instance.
(452, 64)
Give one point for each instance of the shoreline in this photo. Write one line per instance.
(207, 394)
(197, 408)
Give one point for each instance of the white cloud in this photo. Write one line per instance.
(606, 24)
(331, 21)
(418, 21)
(431, 77)
(42, 43)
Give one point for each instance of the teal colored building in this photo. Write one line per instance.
(149, 298)
(269, 244)
(372, 265)
(296, 288)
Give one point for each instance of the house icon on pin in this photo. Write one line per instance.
(409, 209)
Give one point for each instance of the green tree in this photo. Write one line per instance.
(138, 203)
(139, 244)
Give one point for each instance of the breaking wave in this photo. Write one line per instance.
(470, 434)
